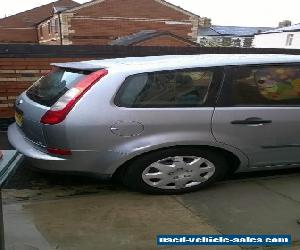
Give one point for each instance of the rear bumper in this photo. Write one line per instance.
(18, 141)
(102, 164)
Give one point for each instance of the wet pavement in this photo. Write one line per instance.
(74, 212)
(256, 206)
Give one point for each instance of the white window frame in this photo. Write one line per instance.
(289, 39)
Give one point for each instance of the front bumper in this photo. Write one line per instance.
(102, 164)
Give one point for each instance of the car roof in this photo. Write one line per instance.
(182, 61)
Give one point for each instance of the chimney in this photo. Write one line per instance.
(204, 22)
(284, 23)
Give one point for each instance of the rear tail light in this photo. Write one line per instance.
(64, 105)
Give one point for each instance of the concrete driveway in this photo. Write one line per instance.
(44, 211)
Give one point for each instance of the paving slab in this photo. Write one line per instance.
(20, 232)
(287, 186)
(256, 206)
(120, 220)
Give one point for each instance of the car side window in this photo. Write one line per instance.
(266, 85)
(176, 88)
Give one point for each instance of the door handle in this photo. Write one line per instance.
(251, 121)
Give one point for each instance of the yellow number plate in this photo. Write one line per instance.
(19, 118)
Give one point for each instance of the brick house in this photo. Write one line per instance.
(100, 22)
(22, 27)
(228, 36)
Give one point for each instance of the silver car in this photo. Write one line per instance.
(165, 124)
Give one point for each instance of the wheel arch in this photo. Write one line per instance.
(233, 160)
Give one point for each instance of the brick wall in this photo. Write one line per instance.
(18, 35)
(131, 8)
(21, 65)
(101, 32)
(104, 22)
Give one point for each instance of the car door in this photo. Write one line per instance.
(258, 111)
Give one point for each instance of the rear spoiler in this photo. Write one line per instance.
(78, 65)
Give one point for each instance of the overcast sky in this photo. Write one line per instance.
(222, 12)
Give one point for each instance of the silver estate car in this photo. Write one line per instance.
(164, 124)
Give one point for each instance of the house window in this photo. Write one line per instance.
(53, 28)
(56, 25)
(49, 27)
(41, 31)
(248, 42)
(289, 39)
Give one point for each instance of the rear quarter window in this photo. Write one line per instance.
(266, 85)
(49, 88)
(176, 88)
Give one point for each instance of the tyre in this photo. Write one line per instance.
(175, 170)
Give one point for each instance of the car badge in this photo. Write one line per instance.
(19, 102)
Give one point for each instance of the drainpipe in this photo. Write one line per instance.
(37, 34)
(60, 29)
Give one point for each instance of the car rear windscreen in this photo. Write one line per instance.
(48, 89)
